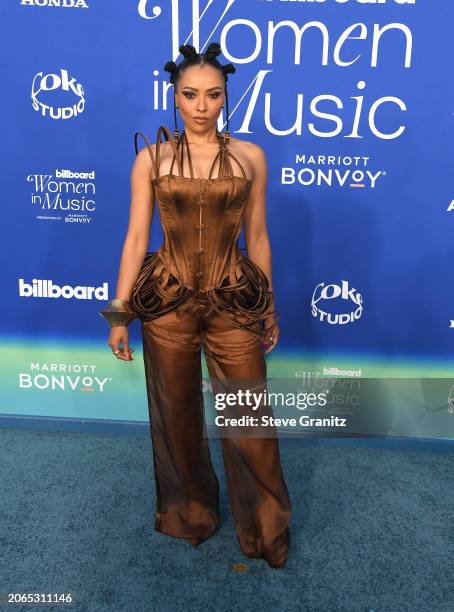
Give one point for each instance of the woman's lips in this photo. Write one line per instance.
(200, 119)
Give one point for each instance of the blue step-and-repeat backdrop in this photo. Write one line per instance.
(351, 101)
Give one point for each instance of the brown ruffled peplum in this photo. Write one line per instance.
(245, 303)
(156, 290)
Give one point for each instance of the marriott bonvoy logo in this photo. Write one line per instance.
(63, 377)
(332, 170)
(43, 288)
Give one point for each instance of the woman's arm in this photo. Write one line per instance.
(255, 228)
(256, 234)
(140, 218)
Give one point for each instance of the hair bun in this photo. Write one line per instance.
(171, 67)
(213, 50)
(187, 50)
(228, 69)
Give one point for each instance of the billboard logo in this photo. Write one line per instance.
(40, 288)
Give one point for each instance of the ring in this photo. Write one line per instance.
(116, 352)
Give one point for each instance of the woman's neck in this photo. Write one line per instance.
(209, 137)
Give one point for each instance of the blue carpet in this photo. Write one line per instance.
(372, 530)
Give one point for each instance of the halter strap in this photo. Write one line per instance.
(223, 155)
(156, 163)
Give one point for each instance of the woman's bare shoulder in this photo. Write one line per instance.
(144, 151)
(143, 158)
(250, 149)
(248, 152)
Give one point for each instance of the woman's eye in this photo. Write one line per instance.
(191, 95)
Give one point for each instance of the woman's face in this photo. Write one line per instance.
(200, 94)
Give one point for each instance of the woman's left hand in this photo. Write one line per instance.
(272, 336)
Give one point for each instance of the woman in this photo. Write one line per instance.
(198, 289)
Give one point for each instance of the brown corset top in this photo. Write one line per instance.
(201, 219)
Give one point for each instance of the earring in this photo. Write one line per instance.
(176, 133)
(227, 133)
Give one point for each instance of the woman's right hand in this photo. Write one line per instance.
(119, 341)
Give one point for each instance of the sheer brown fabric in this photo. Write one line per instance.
(181, 312)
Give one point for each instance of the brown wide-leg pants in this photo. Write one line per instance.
(187, 488)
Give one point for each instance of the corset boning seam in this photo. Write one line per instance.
(176, 238)
(215, 275)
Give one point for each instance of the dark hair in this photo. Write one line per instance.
(193, 58)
